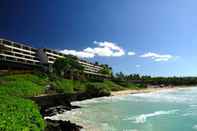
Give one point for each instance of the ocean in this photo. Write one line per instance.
(166, 110)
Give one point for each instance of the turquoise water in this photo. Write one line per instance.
(169, 110)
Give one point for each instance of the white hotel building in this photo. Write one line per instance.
(17, 54)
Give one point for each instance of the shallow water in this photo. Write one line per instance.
(169, 110)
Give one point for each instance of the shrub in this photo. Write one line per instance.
(113, 86)
(129, 85)
(97, 89)
(79, 86)
(22, 85)
(40, 80)
(63, 85)
(20, 88)
(17, 114)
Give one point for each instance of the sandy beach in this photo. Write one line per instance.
(147, 90)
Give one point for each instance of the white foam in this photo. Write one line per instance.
(143, 117)
(164, 97)
(130, 130)
(100, 100)
(194, 127)
(193, 105)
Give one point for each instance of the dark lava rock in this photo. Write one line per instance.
(53, 103)
(58, 125)
(57, 110)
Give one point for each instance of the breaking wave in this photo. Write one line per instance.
(143, 117)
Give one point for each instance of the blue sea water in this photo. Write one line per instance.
(169, 110)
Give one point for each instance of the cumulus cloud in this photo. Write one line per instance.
(81, 54)
(157, 57)
(131, 53)
(138, 66)
(106, 49)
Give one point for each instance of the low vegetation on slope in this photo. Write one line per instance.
(22, 85)
(105, 86)
(63, 85)
(17, 114)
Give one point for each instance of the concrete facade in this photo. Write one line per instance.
(21, 53)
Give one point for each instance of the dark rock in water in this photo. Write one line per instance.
(63, 101)
(57, 110)
(58, 101)
(58, 125)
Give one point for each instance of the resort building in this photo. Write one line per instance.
(17, 55)
(12, 51)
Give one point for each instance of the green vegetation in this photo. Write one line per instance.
(97, 89)
(17, 114)
(74, 86)
(68, 67)
(22, 85)
(63, 85)
(148, 80)
(176, 81)
(106, 70)
(112, 86)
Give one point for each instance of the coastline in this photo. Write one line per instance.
(90, 126)
(146, 90)
(149, 89)
(80, 126)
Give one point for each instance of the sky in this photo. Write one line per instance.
(149, 37)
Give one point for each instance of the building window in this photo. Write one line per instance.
(10, 58)
(26, 48)
(34, 50)
(7, 42)
(8, 53)
(21, 60)
(18, 55)
(16, 45)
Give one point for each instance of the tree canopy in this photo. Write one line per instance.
(68, 66)
(106, 70)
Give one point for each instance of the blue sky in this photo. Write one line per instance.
(162, 34)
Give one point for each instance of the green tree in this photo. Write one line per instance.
(120, 76)
(69, 67)
(106, 70)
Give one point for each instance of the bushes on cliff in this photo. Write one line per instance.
(97, 89)
(63, 85)
(22, 85)
(113, 86)
(128, 85)
(79, 86)
(17, 114)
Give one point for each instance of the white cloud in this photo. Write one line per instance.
(81, 54)
(106, 49)
(131, 53)
(157, 57)
(138, 66)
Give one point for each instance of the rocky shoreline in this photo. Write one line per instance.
(59, 125)
(53, 104)
(57, 104)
